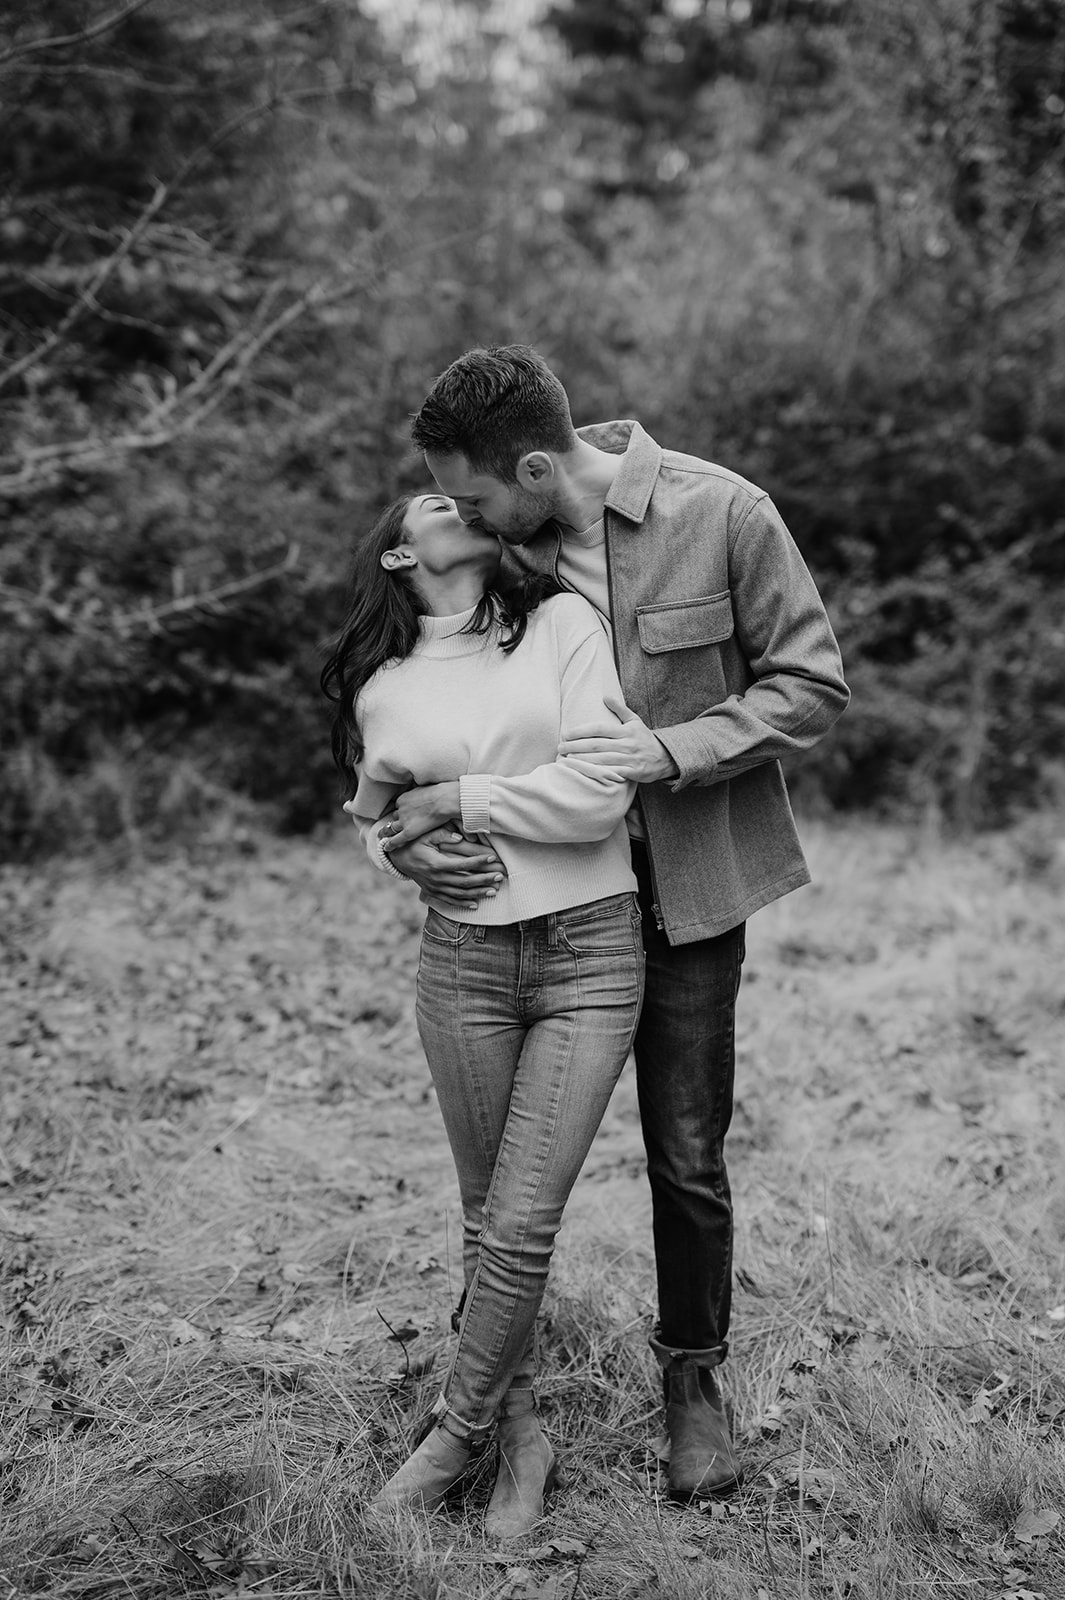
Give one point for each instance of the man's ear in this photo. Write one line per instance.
(393, 560)
(535, 470)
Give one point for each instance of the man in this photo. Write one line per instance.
(727, 662)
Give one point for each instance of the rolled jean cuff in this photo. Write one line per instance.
(471, 1431)
(673, 1355)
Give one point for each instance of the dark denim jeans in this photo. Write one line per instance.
(685, 1068)
(526, 1028)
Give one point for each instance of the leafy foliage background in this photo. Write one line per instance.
(819, 242)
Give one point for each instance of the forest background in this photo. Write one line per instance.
(819, 241)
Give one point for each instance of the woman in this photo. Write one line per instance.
(452, 698)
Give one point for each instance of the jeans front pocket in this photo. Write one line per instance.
(602, 928)
(442, 930)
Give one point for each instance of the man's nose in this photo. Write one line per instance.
(467, 513)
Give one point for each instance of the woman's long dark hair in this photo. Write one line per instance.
(382, 625)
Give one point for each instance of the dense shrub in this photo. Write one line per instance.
(836, 289)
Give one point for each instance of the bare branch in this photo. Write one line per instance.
(148, 616)
(87, 299)
(181, 411)
(41, 602)
(163, 193)
(240, 119)
(207, 600)
(63, 41)
(45, 465)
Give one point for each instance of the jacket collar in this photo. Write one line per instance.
(641, 460)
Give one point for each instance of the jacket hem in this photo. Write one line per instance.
(692, 932)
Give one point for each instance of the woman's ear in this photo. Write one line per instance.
(393, 560)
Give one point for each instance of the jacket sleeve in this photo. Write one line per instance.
(784, 633)
(566, 801)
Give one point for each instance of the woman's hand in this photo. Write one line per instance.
(420, 810)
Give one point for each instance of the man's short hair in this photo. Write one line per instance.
(493, 406)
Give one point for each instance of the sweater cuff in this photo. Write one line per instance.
(475, 795)
(380, 857)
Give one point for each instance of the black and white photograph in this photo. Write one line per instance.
(532, 799)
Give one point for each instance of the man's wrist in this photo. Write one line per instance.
(670, 769)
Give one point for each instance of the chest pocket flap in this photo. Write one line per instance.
(684, 624)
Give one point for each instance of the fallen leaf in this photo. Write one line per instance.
(980, 1410)
(404, 1334)
(1032, 1523)
(181, 1332)
(566, 1547)
(815, 1483)
(185, 1560)
(517, 1584)
(555, 1547)
(556, 1586)
(985, 1401)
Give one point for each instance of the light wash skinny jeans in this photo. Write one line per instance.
(526, 1028)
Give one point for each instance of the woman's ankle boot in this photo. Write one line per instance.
(424, 1479)
(526, 1473)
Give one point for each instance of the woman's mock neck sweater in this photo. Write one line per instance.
(460, 707)
(443, 637)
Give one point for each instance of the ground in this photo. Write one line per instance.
(229, 1229)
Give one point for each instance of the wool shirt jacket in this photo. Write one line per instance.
(725, 650)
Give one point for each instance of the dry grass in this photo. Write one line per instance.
(224, 1192)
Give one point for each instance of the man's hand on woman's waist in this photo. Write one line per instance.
(451, 868)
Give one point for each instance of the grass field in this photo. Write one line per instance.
(229, 1237)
